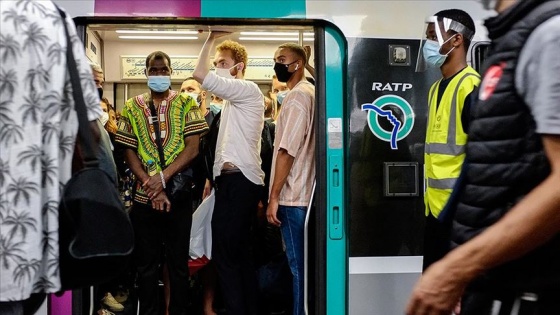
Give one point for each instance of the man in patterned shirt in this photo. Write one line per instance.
(159, 218)
(38, 128)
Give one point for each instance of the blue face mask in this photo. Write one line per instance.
(280, 96)
(432, 55)
(215, 107)
(159, 83)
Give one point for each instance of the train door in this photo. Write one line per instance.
(123, 61)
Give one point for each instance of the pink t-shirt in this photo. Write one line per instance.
(295, 133)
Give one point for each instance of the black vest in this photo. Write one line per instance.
(505, 158)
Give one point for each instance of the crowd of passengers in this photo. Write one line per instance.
(220, 133)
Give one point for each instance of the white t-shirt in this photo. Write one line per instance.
(38, 127)
(241, 124)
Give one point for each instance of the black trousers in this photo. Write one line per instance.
(481, 302)
(234, 213)
(154, 230)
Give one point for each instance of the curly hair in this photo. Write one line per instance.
(238, 52)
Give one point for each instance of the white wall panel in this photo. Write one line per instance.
(390, 19)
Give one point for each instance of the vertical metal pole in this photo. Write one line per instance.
(306, 251)
(91, 300)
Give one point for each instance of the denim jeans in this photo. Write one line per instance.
(293, 220)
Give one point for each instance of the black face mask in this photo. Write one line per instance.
(282, 72)
(100, 91)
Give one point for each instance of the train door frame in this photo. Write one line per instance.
(329, 265)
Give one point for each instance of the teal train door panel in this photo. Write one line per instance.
(335, 124)
(253, 8)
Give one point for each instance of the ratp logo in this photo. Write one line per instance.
(381, 108)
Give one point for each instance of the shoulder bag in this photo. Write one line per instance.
(95, 234)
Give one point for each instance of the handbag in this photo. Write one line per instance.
(182, 181)
(95, 233)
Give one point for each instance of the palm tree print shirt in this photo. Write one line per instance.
(38, 127)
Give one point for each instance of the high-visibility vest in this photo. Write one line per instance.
(445, 139)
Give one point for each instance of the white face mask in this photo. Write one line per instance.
(104, 118)
(193, 95)
(225, 73)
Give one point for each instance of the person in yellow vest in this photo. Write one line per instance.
(448, 37)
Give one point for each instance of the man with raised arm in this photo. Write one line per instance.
(237, 170)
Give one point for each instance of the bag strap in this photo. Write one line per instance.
(155, 123)
(84, 132)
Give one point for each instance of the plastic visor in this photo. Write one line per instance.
(436, 29)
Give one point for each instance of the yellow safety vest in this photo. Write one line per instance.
(445, 139)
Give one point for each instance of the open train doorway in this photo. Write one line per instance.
(120, 47)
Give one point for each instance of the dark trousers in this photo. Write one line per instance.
(436, 240)
(152, 230)
(509, 303)
(234, 213)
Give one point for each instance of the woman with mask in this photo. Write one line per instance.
(109, 118)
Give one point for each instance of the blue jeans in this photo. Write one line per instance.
(293, 220)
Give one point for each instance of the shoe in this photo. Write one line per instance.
(121, 296)
(104, 312)
(111, 303)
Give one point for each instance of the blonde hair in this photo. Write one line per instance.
(96, 68)
(238, 52)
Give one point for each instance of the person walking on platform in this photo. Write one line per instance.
(506, 222)
(38, 130)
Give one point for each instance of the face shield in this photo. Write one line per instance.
(435, 35)
(489, 4)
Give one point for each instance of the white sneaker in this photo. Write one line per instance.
(104, 312)
(111, 303)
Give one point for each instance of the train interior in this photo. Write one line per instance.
(120, 49)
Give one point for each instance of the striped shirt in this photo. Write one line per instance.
(295, 133)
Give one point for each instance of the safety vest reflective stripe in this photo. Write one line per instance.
(444, 148)
(445, 183)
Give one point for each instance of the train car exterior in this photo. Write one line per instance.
(367, 240)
